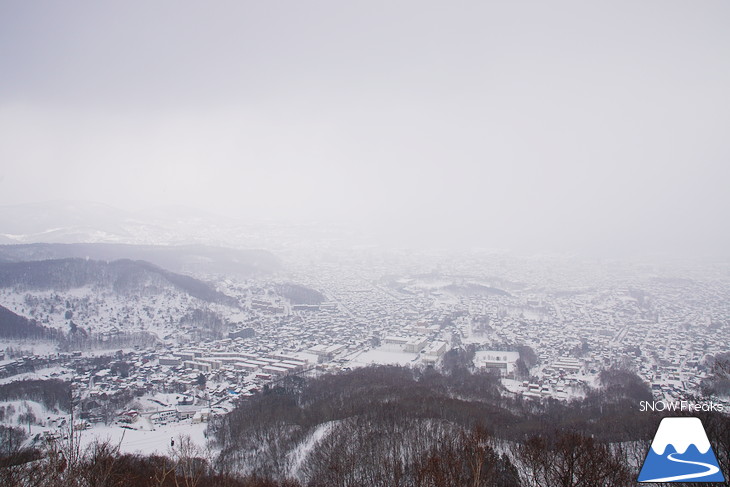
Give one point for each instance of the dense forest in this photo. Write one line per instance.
(375, 426)
(400, 426)
(387, 426)
(718, 382)
(393, 426)
(208, 324)
(53, 394)
(299, 294)
(16, 326)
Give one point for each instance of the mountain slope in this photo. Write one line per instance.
(16, 326)
(177, 258)
(122, 275)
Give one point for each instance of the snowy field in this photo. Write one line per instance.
(147, 441)
(384, 356)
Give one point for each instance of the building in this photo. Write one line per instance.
(171, 361)
(415, 344)
(502, 362)
(433, 352)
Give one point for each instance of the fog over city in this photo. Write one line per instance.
(326, 243)
(589, 127)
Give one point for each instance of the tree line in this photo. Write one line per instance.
(388, 426)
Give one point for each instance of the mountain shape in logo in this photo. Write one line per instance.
(681, 452)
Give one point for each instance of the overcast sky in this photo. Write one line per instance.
(570, 124)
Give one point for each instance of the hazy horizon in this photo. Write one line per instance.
(567, 126)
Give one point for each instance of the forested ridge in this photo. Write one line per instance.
(120, 275)
(13, 325)
(176, 258)
(388, 426)
(385, 426)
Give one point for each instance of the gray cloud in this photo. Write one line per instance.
(565, 125)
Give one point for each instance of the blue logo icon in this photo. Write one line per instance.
(681, 452)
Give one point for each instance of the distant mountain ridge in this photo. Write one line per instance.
(67, 221)
(52, 216)
(121, 275)
(74, 222)
(176, 258)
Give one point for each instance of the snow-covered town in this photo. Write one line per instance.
(364, 244)
(156, 370)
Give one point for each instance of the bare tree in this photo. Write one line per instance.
(189, 460)
(571, 460)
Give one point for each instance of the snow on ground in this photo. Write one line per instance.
(513, 385)
(140, 437)
(100, 310)
(159, 402)
(31, 347)
(146, 441)
(14, 409)
(384, 356)
(61, 373)
(299, 454)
